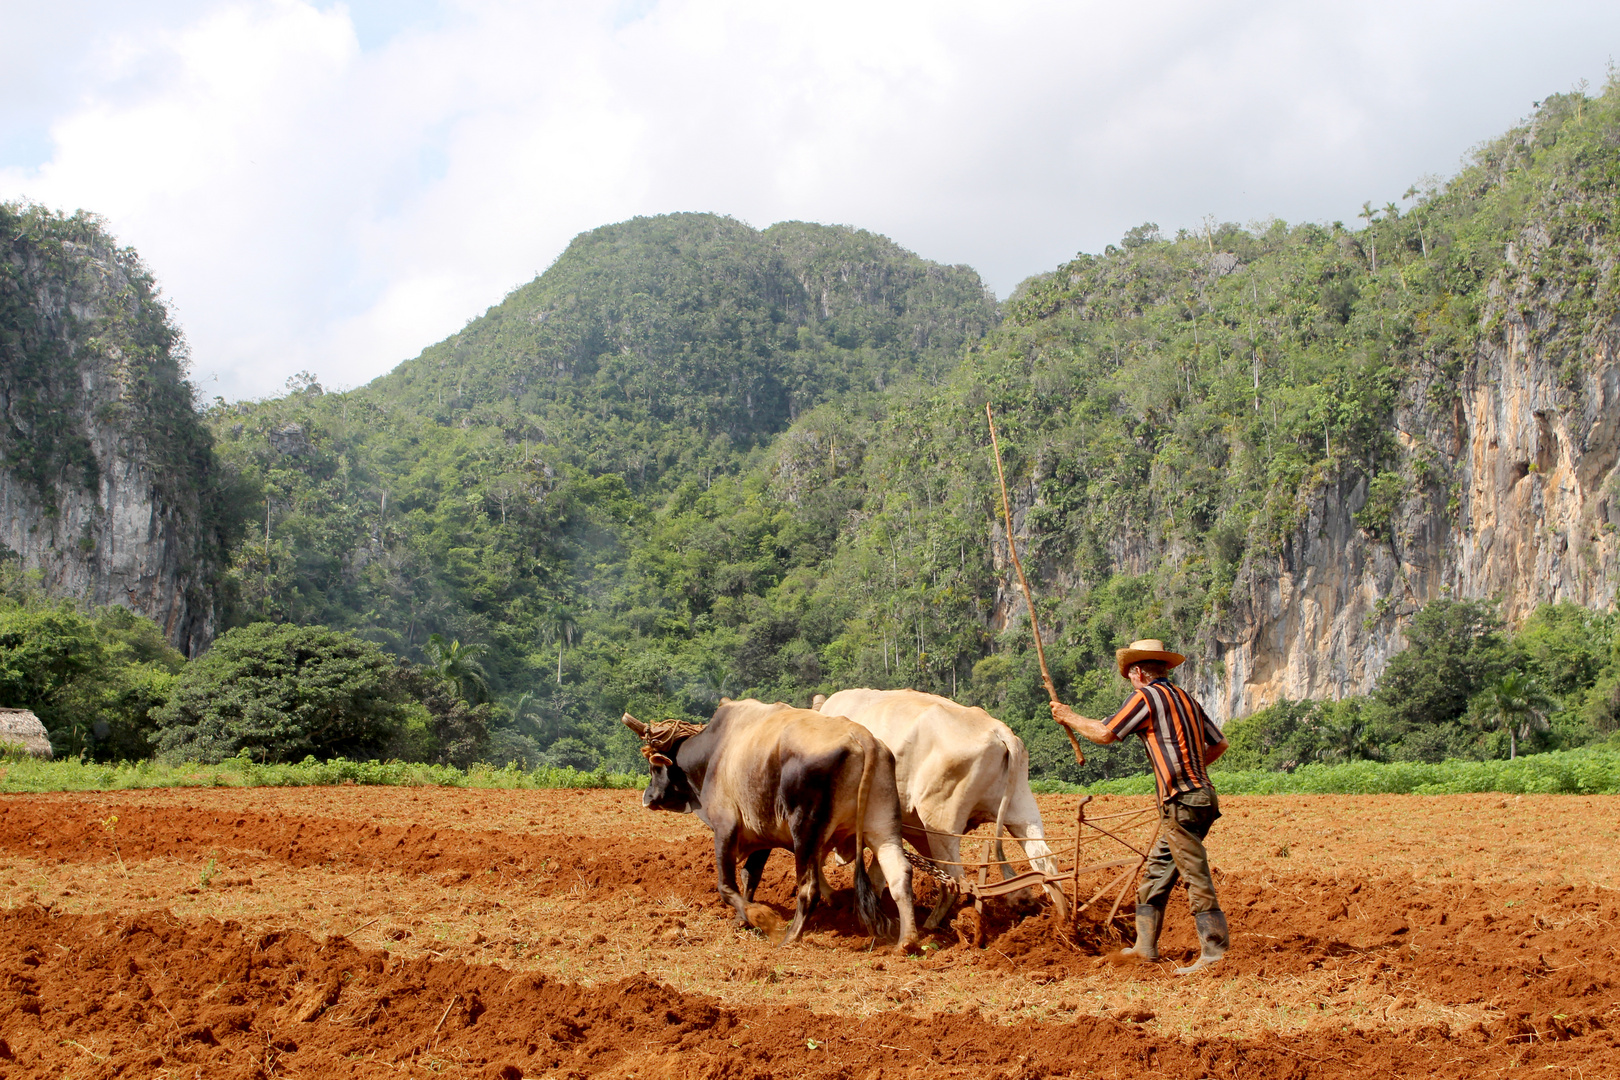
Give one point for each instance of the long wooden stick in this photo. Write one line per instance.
(1023, 583)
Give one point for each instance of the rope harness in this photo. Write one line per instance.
(662, 734)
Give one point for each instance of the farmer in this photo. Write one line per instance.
(1181, 741)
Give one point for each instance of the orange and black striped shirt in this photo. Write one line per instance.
(1175, 729)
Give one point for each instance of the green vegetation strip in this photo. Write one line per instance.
(1568, 772)
(19, 774)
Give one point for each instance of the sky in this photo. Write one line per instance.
(332, 187)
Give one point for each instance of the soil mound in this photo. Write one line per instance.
(136, 995)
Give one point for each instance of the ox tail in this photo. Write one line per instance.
(866, 898)
(1001, 811)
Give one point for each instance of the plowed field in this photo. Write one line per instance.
(369, 932)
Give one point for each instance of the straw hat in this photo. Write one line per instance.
(1146, 649)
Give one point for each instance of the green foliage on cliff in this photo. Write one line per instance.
(692, 460)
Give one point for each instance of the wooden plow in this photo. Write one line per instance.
(1096, 835)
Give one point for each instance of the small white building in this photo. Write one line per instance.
(19, 727)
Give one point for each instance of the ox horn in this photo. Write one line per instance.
(635, 725)
(818, 701)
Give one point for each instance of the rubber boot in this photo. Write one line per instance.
(1148, 921)
(1213, 936)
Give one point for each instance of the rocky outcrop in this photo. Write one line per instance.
(109, 490)
(1509, 492)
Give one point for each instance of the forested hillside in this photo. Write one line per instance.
(549, 484)
(693, 460)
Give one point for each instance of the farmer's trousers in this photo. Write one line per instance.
(1179, 854)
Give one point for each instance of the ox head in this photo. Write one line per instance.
(668, 788)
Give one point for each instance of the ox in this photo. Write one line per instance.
(957, 767)
(772, 776)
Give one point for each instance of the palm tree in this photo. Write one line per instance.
(557, 624)
(526, 711)
(1371, 216)
(1519, 705)
(456, 663)
(1422, 240)
(1345, 736)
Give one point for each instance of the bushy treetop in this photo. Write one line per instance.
(283, 692)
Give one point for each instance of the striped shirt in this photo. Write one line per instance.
(1175, 729)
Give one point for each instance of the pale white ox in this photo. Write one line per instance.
(957, 767)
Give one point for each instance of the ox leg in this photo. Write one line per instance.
(725, 861)
(753, 870)
(807, 863)
(948, 849)
(891, 859)
(824, 887)
(1040, 857)
(879, 878)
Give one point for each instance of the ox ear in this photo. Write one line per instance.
(725, 701)
(660, 761)
(818, 701)
(635, 725)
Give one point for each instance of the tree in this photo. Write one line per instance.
(1454, 649)
(456, 663)
(46, 654)
(283, 692)
(1517, 704)
(456, 730)
(1344, 733)
(1370, 216)
(557, 624)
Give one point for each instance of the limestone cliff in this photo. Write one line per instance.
(109, 489)
(1510, 492)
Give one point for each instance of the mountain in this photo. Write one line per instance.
(694, 459)
(651, 338)
(1343, 427)
(519, 484)
(109, 488)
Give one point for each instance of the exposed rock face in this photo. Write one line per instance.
(114, 544)
(1511, 492)
(108, 485)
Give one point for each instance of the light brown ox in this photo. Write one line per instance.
(957, 767)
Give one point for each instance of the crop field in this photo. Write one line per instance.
(355, 931)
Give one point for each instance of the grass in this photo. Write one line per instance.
(21, 774)
(1563, 772)
(1566, 772)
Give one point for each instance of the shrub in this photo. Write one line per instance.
(1453, 649)
(281, 693)
(95, 681)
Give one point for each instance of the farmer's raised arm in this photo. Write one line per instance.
(1084, 726)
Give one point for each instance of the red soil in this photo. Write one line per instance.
(1514, 978)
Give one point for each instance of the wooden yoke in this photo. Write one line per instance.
(1023, 583)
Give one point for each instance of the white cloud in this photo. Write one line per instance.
(317, 196)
